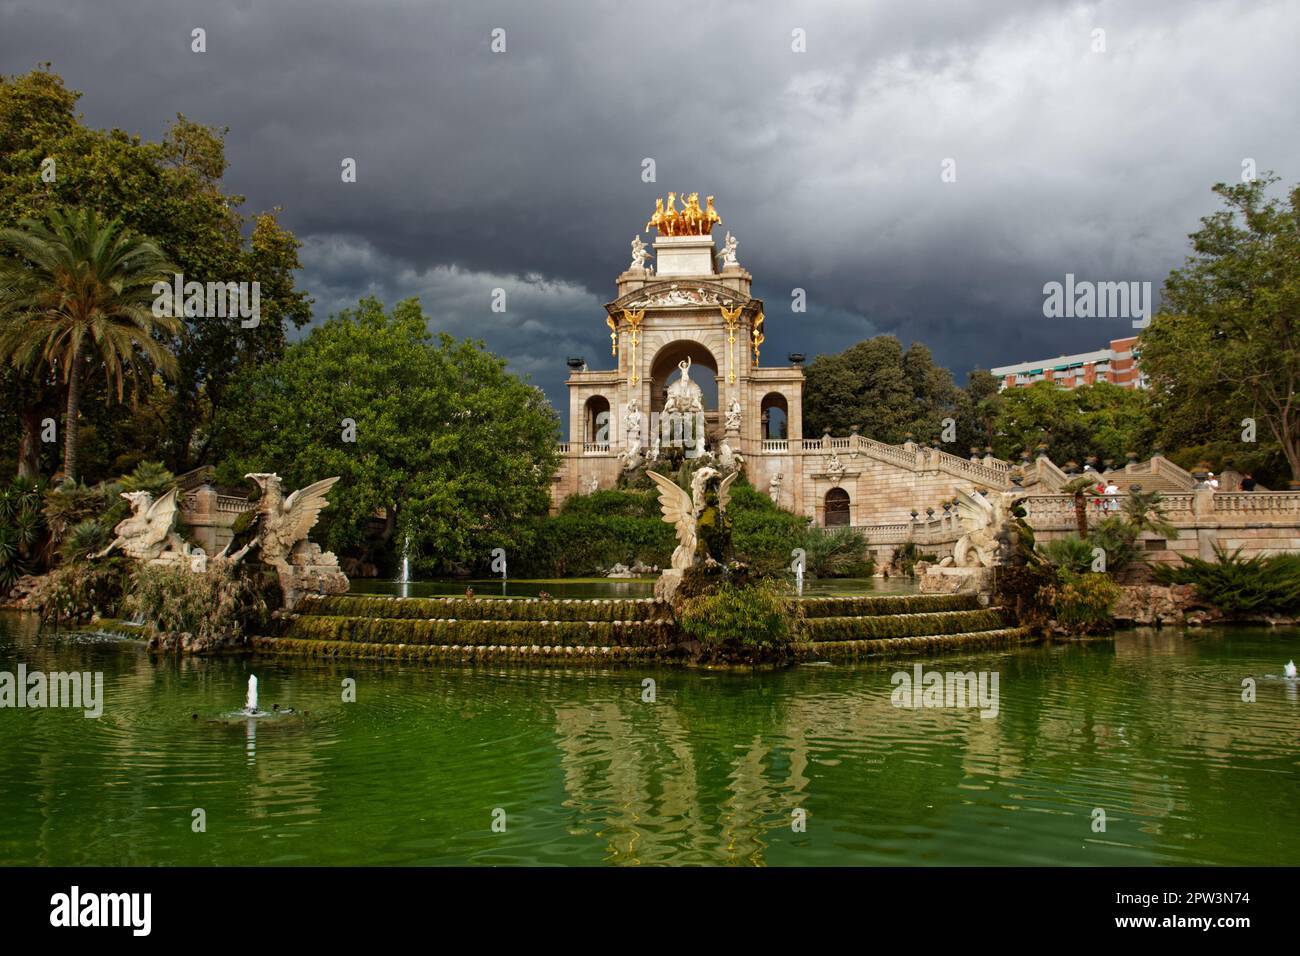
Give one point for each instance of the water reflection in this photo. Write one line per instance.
(1151, 727)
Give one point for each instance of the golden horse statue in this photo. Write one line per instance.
(690, 220)
(656, 221)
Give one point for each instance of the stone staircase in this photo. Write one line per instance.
(598, 631)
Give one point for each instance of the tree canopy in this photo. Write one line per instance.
(1226, 344)
(455, 452)
(169, 192)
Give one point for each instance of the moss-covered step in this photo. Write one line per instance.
(446, 631)
(465, 609)
(881, 604)
(880, 626)
(921, 644)
(464, 653)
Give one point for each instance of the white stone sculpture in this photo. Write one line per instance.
(982, 519)
(684, 396)
(682, 510)
(639, 256)
(148, 535)
(284, 523)
(733, 415)
(674, 296)
(728, 253)
(774, 488)
(835, 468)
(632, 424)
(593, 486)
(283, 526)
(730, 460)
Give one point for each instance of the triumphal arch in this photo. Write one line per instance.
(684, 317)
(684, 312)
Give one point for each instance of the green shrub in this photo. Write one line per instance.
(591, 533)
(837, 553)
(1085, 603)
(1070, 553)
(85, 539)
(750, 623)
(23, 532)
(762, 534)
(1237, 585)
(78, 592)
(906, 557)
(68, 504)
(1027, 592)
(219, 602)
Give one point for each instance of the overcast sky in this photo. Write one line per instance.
(522, 169)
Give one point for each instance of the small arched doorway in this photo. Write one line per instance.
(595, 422)
(836, 508)
(776, 416)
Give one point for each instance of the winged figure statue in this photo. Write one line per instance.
(982, 519)
(283, 523)
(147, 533)
(683, 511)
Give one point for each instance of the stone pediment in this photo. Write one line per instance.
(680, 294)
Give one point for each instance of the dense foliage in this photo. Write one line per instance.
(1237, 585)
(168, 191)
(431, 433)
(752, 622)
(591, 533)
(1226, 345)
(219, 603)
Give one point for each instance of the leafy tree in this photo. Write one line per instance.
(454, 452)
(1102, 419)
(78, 300)
(1227, 338)
(170, 191)
(880, 389)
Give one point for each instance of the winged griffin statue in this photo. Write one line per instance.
(983, 520)
(684, 511)
(147, 534)
(283, 523)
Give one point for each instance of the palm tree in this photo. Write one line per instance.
(76, 298)
(1080, 487)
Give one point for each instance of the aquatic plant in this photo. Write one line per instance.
(1085, 603)
(749, 623)
(217, 603)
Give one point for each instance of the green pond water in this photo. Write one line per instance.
(1150, 728)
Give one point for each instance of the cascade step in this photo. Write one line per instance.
(451, 631)
(881, 604)
(850, 628)
(381, 607)
(921, 644)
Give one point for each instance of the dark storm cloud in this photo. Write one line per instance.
(522, 170)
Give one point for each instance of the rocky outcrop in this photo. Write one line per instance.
(1155, 604)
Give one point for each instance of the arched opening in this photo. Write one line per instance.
(776, 416)
(595, 422)
(837, 508)
(665, 371)
(704, 373)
